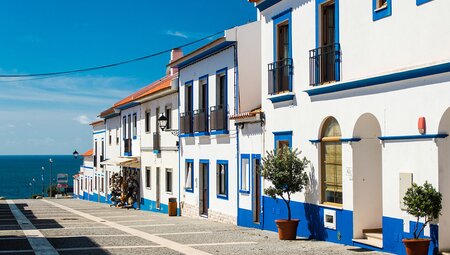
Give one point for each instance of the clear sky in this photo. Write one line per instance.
(51, 116)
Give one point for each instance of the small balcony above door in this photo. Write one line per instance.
(280, 76)
(201, 121)
(325, 64)
(186, 125)
(218, 119)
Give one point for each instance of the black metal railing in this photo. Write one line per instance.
(127, 145)
(280, 76)
(186, 123)
(218, 119)
(156, 141)
(200, 120)
(325, 64)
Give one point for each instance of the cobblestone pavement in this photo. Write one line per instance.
(80, 227)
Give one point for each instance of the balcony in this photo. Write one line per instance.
(186, 123)
(200, 120)
(325, 64)
(280, 76)
(95, 160)
(156, 142)
(218, 118)
(127, 146)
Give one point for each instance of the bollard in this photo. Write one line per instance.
(172, 206)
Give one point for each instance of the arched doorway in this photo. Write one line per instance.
(331, 162)
(444, 180)
(367, 181)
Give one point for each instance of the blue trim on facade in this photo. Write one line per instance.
(336, 21)
(191, 189)
(278, 19)
(282, 98)
(206, 53)
(128, 154)
(383, 12)
(282, 136)
(245, 219)
(420, 2)
(220, 132)
(201, 134)
(400, 76)
(88, 167)
(150, 205)
(126, 106)
(266, 4)
(224, 162)
(245, 191)
(156, 151)
(186, 135)
(99, 132)
(412, 137)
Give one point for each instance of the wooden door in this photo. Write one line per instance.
(158, 188)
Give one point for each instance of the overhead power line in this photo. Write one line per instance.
(51, 74)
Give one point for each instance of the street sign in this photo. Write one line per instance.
(61, 185)
(62, 178)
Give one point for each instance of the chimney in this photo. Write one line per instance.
(174, 55)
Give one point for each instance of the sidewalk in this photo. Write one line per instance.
(81, 227)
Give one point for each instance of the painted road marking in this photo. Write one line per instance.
(184, 233)
(119, 216)
(81, 235)
(122, 221)
(214, 244)
(17, 251)
(109, 248)
(36, 239)
(149, 237)
(151, 225)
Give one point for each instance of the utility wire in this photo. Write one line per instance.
(51, 74)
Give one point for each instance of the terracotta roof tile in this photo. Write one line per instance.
(88, 153)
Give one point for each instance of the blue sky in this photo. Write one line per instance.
(50, 116)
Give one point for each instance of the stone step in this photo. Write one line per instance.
(370, 242)
(373, 230)
(377, 236)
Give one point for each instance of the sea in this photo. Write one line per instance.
(21, 176)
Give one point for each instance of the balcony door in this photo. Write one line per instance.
(158, 188)
(204, 189)
(282, 70)
(328, 39)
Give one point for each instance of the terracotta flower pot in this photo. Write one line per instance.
(416, 246)
(287, 229)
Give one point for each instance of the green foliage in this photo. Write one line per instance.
(54, 190)
(286, 171)
(423, 202)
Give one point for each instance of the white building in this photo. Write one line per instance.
(79, 180)
(208, 93)
(346, 82)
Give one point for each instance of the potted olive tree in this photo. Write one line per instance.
(421, 202)
(286, 171)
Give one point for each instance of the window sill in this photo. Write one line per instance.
(189, 190)
(156, 151)
(220, 132)
(331, 206)
(201, 134)
(245, 192)
(187, 135)
(224, 197)
(148, 188)
(283, 97)
(385, 6)
(169, 193)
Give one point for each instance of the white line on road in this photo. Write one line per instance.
(152, 238)
(109, 248)
(184, 233)
(15, 251)
(151, 225)
(119, 216)
(81, 235)
(214, 244)
(36, 239)
(122, 221)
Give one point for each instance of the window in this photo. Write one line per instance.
(147, 121)
(221, 89)
(331, 163)
(283, 139)
(188, 98)
(222, 179)
(102, 184)
(134, 125)
(381, 9)
(96, 180)
(157, 122)
(245, 173)
(124, 127)
(203, 93)
(148, 179)
(129, 127)
(169, 117)
(189, 175)
(168, 180)
(117, 136)
(110, 137)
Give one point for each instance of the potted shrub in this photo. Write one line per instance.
(421, 202)
(286, 171)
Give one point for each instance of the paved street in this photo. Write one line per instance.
(81, 227)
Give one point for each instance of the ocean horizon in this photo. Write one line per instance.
(18, 171)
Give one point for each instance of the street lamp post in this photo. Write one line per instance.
(162, 121)
(51, 180)
(42, 178)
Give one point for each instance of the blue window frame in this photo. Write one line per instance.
(381, 11)
(282, 138)
(420, 2)
(222, 179)
(189, 176)
(134, 126)
(245, 177)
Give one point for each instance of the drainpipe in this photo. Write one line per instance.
(179, 145)
(236, 111)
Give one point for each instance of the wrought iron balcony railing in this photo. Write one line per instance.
(325, 64)
(218, 119)
(186, 123)
(280, 76)
(201, 120)
(127, 145)
(156, 141)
